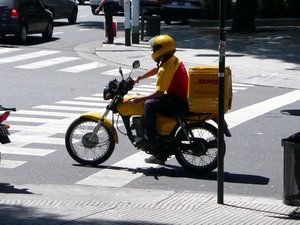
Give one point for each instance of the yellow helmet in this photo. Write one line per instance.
(162, 45)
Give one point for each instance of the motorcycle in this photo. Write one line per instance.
(4, 133)
(91, 138)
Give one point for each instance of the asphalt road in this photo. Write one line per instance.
(254, 157)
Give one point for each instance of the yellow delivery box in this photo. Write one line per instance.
(203, 89)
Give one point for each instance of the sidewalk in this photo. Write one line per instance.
(84, 205)
(269, 57)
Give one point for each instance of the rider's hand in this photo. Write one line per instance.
(134, 100)
(137, 79)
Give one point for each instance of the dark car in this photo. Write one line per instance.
(63, 9)
(22, 17)
(180, 10)
(173, 10)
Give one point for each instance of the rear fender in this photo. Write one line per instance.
(106, 122)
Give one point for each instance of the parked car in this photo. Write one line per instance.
(95, 3)
(62, 9)
(182, 10)
(173, 10)
(23, 17)
(81, 2)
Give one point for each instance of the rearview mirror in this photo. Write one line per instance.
(136, 64)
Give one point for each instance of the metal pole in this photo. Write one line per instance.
(221, 75)
(135, 21)
(127, 22)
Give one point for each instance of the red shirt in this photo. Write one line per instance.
(172, 77)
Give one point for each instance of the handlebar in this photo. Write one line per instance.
(7, 109)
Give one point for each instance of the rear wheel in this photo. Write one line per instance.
(202, 156)
(22, 35)
(84, 149)
(73, 18)
(49, 32)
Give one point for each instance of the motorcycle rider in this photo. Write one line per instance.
(170, 94)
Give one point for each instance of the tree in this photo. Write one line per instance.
(243, 18)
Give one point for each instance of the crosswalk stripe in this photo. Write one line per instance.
(115, 72)
(247, 113)
(89, 99)
(9, 50)
(83, 67)
(31, 119)
(29, 55)
(82, 103)
(66, 108)
(47, 62)
(50, 129)
(11, 164)
(119, 178)
(26, 151)
(107, 177)
(45, 113)
(18, 139)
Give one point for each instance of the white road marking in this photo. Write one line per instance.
(26, 151)
(45, 113)
(89, 99)
(11, 164)
(9, 50)
(47, 62)
(115, 72)
(82, 103)
(26, 56)
(19, 140)
(83, 67)
(242, 115)
(112, 178)
(67, 108)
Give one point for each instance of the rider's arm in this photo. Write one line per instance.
(149, 73)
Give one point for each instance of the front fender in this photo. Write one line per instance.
(107, 123)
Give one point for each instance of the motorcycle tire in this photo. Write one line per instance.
(84, 151)
(203, 159)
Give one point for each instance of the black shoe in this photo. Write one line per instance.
(155, 159)
(143, 143)
(108, 42)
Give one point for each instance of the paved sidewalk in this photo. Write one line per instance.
(84, 205)
(269, 57)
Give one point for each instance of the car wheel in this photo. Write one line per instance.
(167, 22)
(48, 33)
(94, 11)
(73, 17)
(22, 35)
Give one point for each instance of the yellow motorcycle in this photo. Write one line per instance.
(190, 136)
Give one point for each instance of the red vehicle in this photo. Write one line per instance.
(4, 139)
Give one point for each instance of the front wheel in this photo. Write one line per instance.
(84, 149)
(202, 155)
